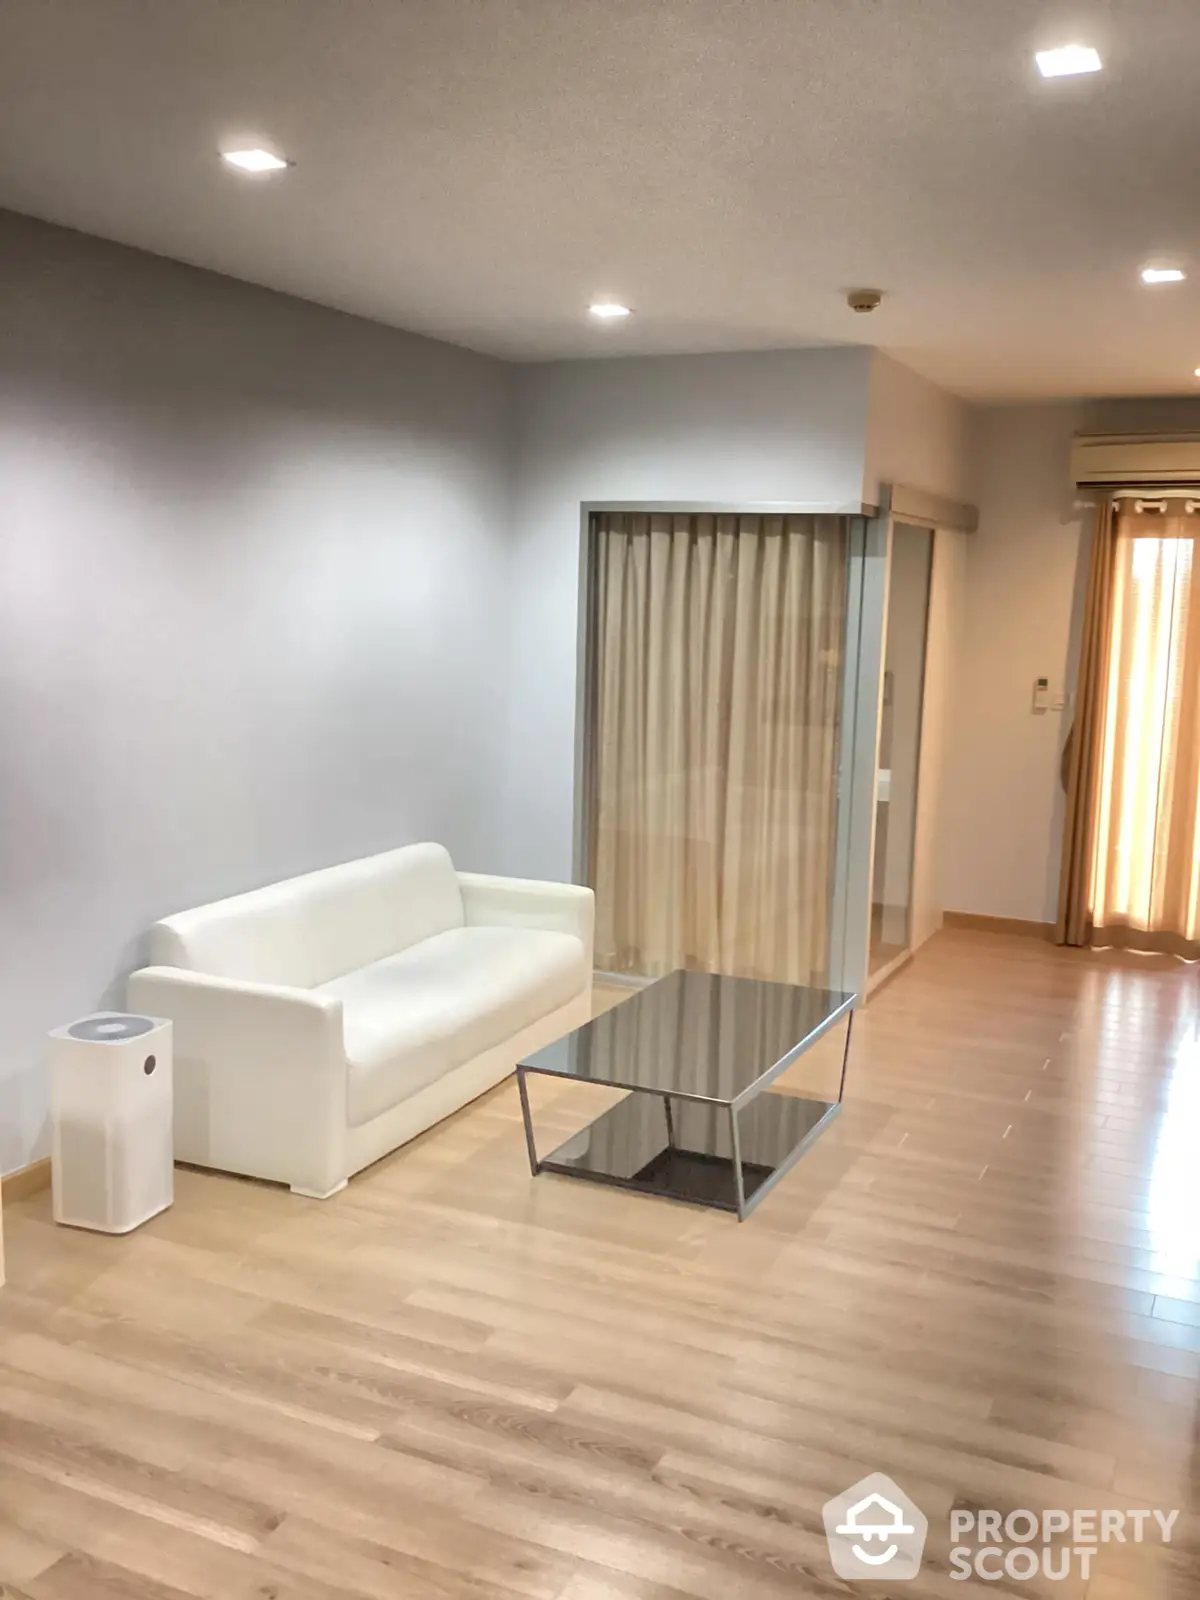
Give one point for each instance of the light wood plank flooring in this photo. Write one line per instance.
(454, 1381)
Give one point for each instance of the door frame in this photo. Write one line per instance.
(873, 980)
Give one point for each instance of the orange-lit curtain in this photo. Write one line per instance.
(1144, 882)
(1086, 739)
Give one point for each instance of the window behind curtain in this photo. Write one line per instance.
(717, 659)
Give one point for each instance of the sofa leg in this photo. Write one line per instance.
(312, 1194)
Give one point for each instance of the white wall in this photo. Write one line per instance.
(1026, 574)
(917, 435)
(1004, 814)
(770, 426)
(253, 565)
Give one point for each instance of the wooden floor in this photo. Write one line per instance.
(453, 1380)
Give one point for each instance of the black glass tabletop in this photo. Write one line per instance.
(697, 1036)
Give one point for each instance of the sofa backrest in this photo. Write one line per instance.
(307, 931)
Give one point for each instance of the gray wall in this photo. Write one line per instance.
(252, 600)
(785, 425)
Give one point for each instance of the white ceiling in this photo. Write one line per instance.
(480, 169)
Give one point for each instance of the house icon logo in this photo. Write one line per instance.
(875, 1531)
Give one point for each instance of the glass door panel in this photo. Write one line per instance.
(910, 573)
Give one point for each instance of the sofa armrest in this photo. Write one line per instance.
(260, 1075)
(529, 903)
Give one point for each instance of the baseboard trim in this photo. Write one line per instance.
(1014, 925)
(19, 1185)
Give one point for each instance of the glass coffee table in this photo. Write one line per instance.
(697, 1053)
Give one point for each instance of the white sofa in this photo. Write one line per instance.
(322, 1022)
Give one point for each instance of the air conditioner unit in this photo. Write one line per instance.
(1124, 460)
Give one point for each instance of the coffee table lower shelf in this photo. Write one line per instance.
(685, 1149)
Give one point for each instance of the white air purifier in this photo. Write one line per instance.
(112, 1156)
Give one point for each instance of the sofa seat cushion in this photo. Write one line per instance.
(411, 1018)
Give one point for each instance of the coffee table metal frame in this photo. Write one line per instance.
(744, 1203)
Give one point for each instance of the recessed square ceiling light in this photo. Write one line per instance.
(1068, 61)
(1163, 275)
(608, 310)
(254, 160)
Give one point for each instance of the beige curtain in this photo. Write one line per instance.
(1082, 755)
(1141, 839)
(717, 651)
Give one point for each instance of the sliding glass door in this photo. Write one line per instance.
(909, 580)
(717, 656)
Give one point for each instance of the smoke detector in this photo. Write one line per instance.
(864, 299)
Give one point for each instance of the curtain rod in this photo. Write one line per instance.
(1146, 491)
(735, 508)
(1158, 499)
